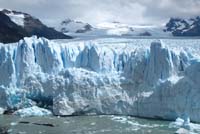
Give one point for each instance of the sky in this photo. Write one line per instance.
(52, 12)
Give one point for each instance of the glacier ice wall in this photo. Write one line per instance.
(148, 78)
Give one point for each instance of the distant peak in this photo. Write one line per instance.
(184, 26)
(73, 26)
(66, 21)
(116, 22)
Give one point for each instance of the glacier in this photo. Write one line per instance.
(154, 78)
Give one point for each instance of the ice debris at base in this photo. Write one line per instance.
(33, 111)
(128, 120)
(182, 131)
(181, 123)
(14, 98)
(2, 110)
(140, 77)
(184, 126)
(13, 123)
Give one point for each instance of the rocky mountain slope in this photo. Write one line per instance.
(184, 27)
(71, 26)
(9, 31)
(16, 25)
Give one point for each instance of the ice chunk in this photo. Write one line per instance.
(2, 110)
(14, 98)
(33, 111)
(182, 131)
(184, 124)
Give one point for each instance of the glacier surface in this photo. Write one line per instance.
(138, 77)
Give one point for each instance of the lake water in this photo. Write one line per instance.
(83, 125)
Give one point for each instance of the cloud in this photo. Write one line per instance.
(96, 11)
(172, 8)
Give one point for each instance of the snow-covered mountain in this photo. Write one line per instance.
(117, 28)
(71, 26)
(175, 27)
(111, 29)
(184, 27)
(140, 77)
(15, 25)
(76, 28)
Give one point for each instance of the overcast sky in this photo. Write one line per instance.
(97, 11)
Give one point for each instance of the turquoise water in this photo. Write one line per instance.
(83, 125)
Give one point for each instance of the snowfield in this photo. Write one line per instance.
(17, 18)
(139, 77)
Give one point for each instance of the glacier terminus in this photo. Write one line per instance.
(154, 78)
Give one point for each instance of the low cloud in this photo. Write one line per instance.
(96, 11)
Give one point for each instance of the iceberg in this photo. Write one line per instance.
(138, 77)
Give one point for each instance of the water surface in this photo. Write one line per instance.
(84, 125)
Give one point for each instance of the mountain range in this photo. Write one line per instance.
(71, 26)
(15, 25)
(184, 27)
(175, 27)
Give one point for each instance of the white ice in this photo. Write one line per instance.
(32, 111)
(140, 77)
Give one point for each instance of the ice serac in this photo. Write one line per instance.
(160, 63)
(139, 77)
